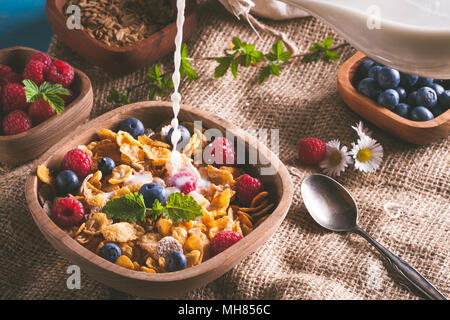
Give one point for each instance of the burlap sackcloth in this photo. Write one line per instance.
(301, 260)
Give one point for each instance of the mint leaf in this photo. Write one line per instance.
(119, 99)
(130, 207)
(322, 51)
(222, 68)
(234, 68)
(181, 207)
(48, 91)
(264, 75)
(157, 84)
(31, 91)
(185, 67)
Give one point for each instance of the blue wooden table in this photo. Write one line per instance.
(23, 23)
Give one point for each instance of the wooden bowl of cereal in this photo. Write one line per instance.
(141, 268)
(119, 39)
(19, 148)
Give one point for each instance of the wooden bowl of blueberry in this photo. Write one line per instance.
(410, 107)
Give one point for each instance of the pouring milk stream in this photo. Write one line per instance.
(412, 36)
(176, 97)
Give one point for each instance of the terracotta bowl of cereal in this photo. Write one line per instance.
(119, 36)
(19, 144)
(115, 199)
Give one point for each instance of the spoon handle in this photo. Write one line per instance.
(404, 269)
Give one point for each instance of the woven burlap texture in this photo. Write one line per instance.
(301, 260)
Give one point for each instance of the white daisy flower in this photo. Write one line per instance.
(361, 130)
(368, 154)
(336, 158)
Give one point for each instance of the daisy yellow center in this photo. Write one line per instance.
(335, 158)
(364, 155)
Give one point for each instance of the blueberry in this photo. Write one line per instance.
(106, 165)
(388, 78)
(373, 71)
(412, 98)
(110, 252)
(370, 88)
(408, 80)
(133, 126)
(184, 140)
(421, 114)
(426, 97)
(67, 182)
(444, 100)
(402, 109)
(364, 67)
(175, 261)
(437, 88)
(401, 93)
(424, 82)
(388, 98)
(151, 192)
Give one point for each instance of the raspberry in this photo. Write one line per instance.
(184, 181)
(34, 71)
(60, 72)
(223, 240)
(221, 152)
(311, 151)
(40, 111)
(78, 161)
(4, 70)
(13, 97)
(247, 188)
(42, 57)
(16, 122)
(11, 77)
(67, 212)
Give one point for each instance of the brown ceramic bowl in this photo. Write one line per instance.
(19, 148)
(152, 113)
(415, 132)
(120, 60)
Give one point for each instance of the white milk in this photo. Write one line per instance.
(176, 97)
(414, 35)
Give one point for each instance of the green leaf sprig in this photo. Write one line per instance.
(131, 207)
(322, 51)
(276, 58)
(240, 54)
(48, 91)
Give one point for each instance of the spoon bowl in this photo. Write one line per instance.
(329, 203)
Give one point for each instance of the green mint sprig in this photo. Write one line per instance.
(322, 51)
(186, 69)
(118, 98)
(242, 54)
(157, 83)
(131, 207)
(48, 91)
(276, 58)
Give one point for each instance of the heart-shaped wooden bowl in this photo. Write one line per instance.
(152, 113)
(19, 148)
(415, 132)
(119, 60)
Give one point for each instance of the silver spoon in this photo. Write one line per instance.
(332, 206)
